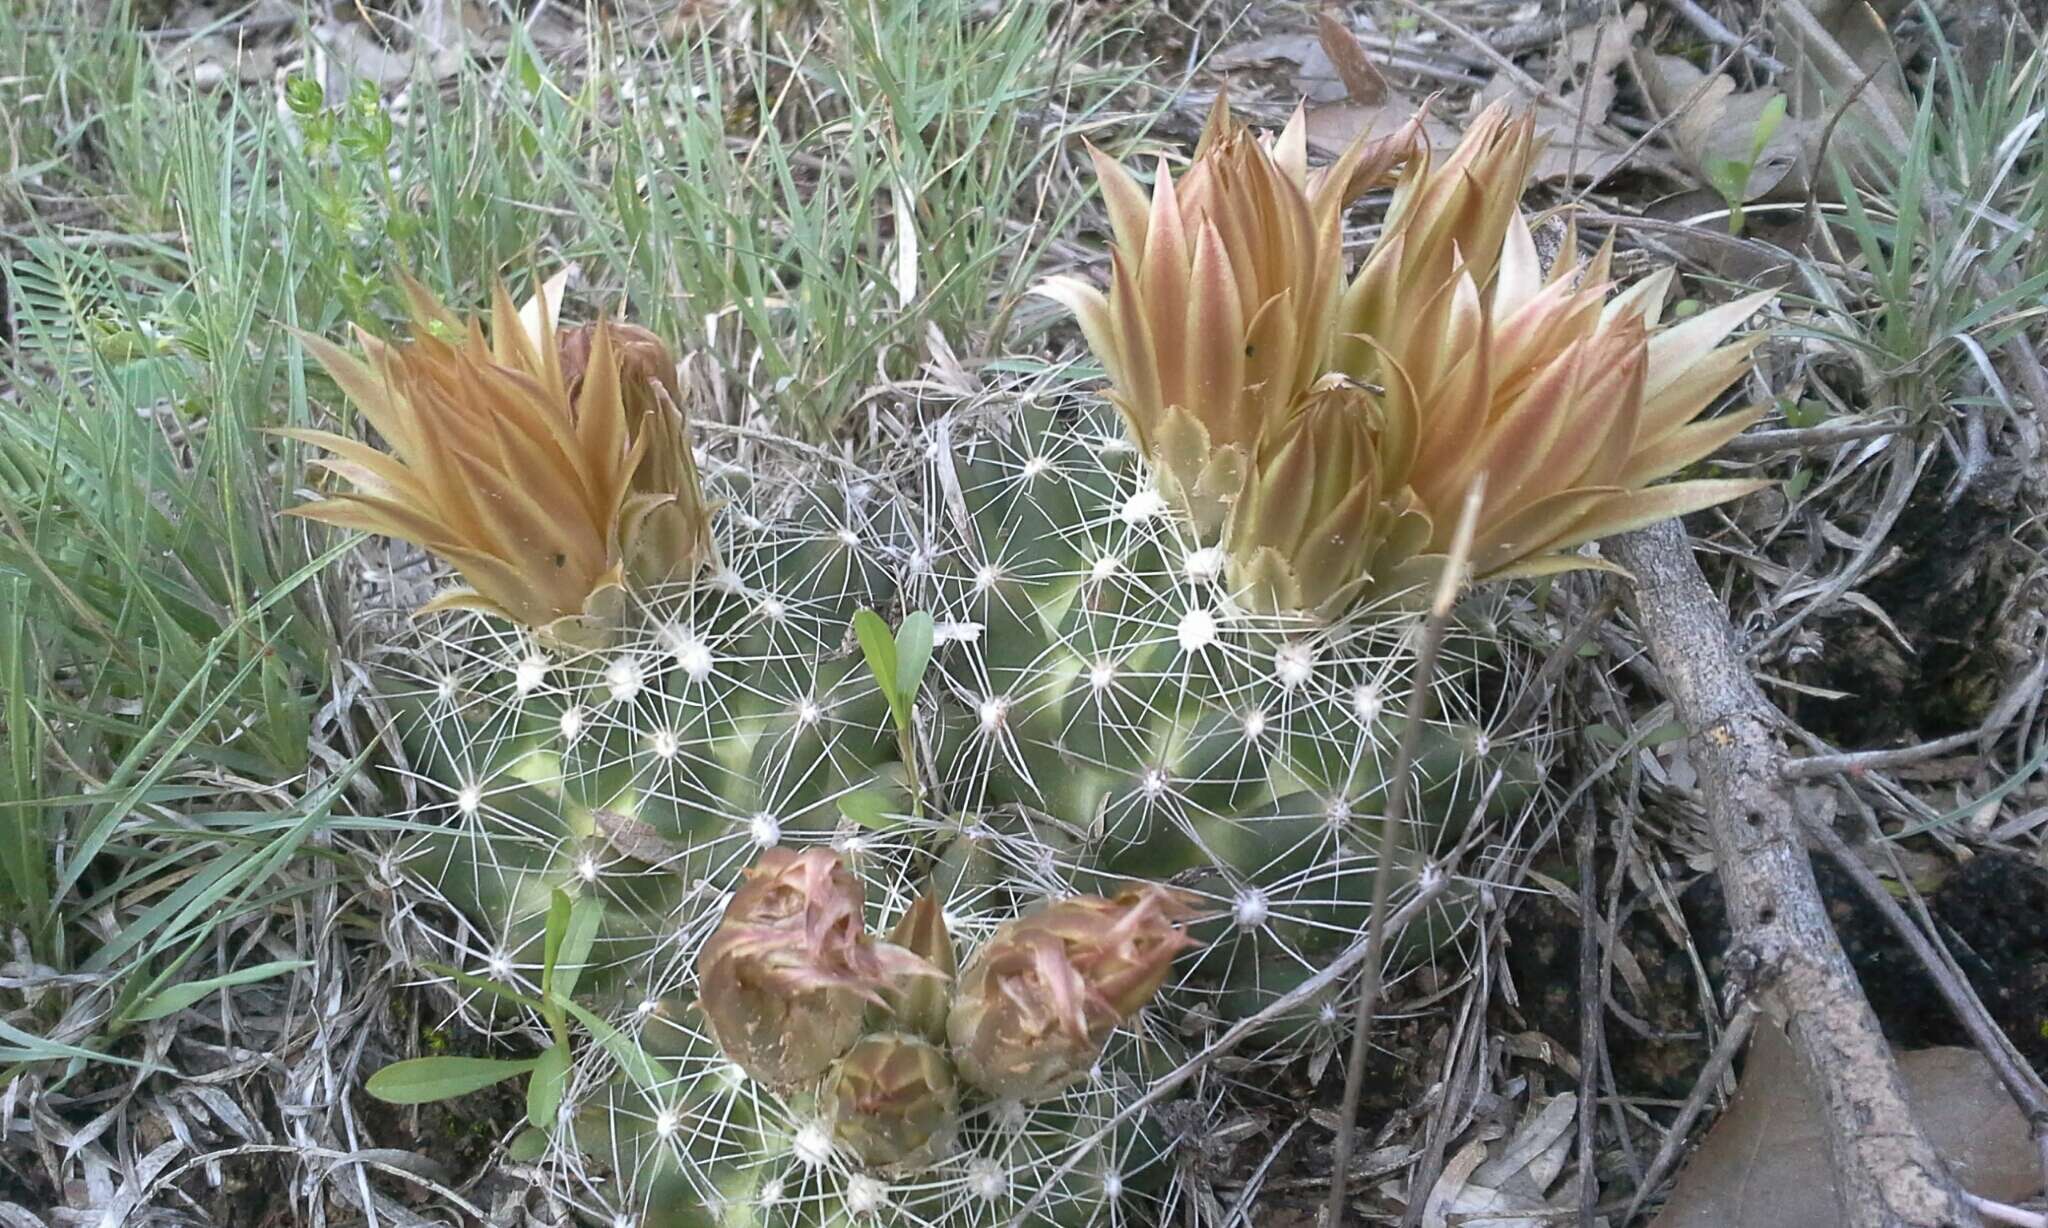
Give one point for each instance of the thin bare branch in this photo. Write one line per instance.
(1888, 1174)
(1392, 827)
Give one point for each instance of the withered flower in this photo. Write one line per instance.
(1039, 1000)
(541, 493)
(1223, 290)
(788, 974)
(892, 1100)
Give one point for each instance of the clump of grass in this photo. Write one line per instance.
(810, 215)
(1947, 227)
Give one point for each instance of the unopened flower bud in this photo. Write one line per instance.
(892, 1100)
(1037, 1003)
(918, 1004)
(788, 975)
(665, 523)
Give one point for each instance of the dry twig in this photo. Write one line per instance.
(1390, 853)
(1785, 950)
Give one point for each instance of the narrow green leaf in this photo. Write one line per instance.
(423, 1080)
(472, 981)
(178, 997)
(544, 1090)
(913, 656)
(586, 915)
(21, 1046)
(1669, 731)
(1767, 123)
(880, 650)
(648, 1073)
(1603, 734)
(560, 908)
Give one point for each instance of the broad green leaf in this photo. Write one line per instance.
(868, 808)
(880, 650)
(527, 1146)
(423, 1080)
(178, 997)
(544, 1090)
(913, 655)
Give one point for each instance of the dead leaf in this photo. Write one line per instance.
(1332, 128)
(630, 837)
(1579, 143)
(1860, 30)
(1315, 77)
(1765, 1164)
(1715, 129)
(1504, 1185)
(1361, 79)
(435, 39)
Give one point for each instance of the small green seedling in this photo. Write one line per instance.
(572, 928)
(1730, 176)
(898, 665)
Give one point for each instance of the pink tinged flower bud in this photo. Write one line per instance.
(1039, 1000)
(788, 975)
(892, 1101)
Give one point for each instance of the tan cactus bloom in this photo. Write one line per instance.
(1321, 519)
(528, 486)
(892, 1100)
(1223, 288)
(1442, 213)
(665, 531)
(1463, 357)
(1570, 404)
(1039, 1000)
(787, 976)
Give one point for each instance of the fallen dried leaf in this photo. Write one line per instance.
(1331, 128)
(1762, 144)
(1354, 67)
(1765, 1164)
(1579, 143)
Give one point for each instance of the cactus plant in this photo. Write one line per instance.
(1194, 620)
(1170, 644)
